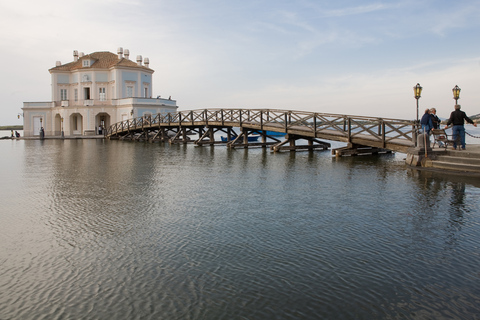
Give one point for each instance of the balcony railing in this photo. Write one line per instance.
(109, 102)
(39, 105)
(145, 101)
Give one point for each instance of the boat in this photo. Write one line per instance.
(274, 133)
(250, 138)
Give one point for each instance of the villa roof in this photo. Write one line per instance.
(101, 60)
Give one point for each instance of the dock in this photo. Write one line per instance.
(446, 159)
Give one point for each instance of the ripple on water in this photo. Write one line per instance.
(148, 231)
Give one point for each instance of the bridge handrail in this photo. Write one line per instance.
(347, 126)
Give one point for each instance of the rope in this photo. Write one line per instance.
(472, 135)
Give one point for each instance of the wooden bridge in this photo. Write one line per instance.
(362, 134)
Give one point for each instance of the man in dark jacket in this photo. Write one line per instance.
(458, 118)
(426, 122)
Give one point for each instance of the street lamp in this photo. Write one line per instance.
(61, 121)
(456, 93)
(418, 92)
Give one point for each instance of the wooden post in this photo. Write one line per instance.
(414, 134)
(261, 120)
(349, 129)
(212, 134)
(383, 134)
(184, 134)
(245, 137)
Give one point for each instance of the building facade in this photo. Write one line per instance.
(93, 92)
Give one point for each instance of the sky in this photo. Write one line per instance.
(349, 57)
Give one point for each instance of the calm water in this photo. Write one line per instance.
(120, 230)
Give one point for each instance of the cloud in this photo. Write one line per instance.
(459, 17)
(349, 11)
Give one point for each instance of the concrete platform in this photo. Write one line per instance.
(98, 136)
(441, 159)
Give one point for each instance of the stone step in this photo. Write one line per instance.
(463, 153)
(475, 161)
(455, 166)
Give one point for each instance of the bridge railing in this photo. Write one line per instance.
(345, 126)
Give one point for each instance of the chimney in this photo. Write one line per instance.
(147, 62)
(127, 53)
(81, 54)
(120, 53)
(58, 64)
(139, 60)
(75, 55)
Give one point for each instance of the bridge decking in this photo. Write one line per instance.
(392, 134)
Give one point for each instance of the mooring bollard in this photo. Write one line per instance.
(423, 140)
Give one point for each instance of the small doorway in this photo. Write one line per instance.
(37, 125)
(76, 124)
(102, 121)
(58, 125)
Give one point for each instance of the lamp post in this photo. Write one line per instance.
(456, 93)
(61, 122)
(418, 92)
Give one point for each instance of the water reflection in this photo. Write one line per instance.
(113, 229)
(458, 195)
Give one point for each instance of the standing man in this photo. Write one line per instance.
(426, 122)
(458, 118)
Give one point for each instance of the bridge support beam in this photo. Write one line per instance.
(161, 135)
(183, 133)
(242, 140)
(208, 137)
(356, 149)
(291, 139)
(128, 136)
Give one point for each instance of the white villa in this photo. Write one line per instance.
(93, 92)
